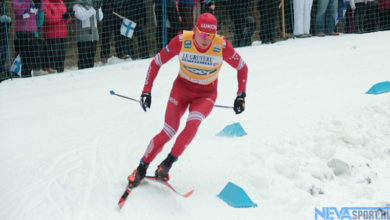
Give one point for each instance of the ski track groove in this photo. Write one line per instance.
(91, 177)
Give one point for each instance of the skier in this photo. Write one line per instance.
(201, 52)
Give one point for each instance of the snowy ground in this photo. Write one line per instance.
(314, 137)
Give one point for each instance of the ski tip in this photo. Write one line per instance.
(189, 194)
(112, 92)
(121, 203)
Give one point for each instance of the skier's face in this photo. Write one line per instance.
(203, 39)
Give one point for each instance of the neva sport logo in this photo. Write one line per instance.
(352, 213)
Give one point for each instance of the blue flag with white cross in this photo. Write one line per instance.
(127, 28)
(16, 67)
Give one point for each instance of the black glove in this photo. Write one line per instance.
(239, 103)
(66, 16)
(146, 100)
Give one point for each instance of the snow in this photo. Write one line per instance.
(315, 139)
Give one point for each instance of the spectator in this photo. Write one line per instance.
(55, 31)
(244, 22)
(111, 25)
(5, 23)
(135, 10)
(384, 14)
(25, 28)
(360, 16)
(326, 17)
(208, 6)
(302, 12)
(349, 26)
(371, 16)
(87, 31)
(268, 13)
(186, 11)
(343, 13)
(172, 17)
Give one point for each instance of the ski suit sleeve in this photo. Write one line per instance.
(167, 53)
(234, 59)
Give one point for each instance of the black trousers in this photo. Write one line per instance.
(268, 10)
(371, 18)
(28, 48)
(173, 18)
(244, 27)
(3, 56)
(384, 19)
(55, 53)
(87, 52)
(111, 26)
(187, 15)
(143, 48)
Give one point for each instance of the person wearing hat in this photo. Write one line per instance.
(201, 53)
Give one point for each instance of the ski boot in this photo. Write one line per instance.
(138, 174)
(162, 171)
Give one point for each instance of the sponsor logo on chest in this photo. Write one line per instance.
(217, 48)
(187, 44)
(199, 59)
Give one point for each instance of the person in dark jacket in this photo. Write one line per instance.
(244, 22)
(186, 11)
(5, 23)
(268, 13)
(173, 19)
(111, 26)
(135, 10)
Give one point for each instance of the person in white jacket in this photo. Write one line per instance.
(302, 12)
(87, 13)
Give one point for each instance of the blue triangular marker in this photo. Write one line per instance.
(379, 88)
(236, 196)
(233, 130)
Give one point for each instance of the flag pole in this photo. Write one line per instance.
(120, 16)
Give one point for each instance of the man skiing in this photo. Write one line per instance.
(201, 53)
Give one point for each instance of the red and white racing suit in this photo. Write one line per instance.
(195, 88)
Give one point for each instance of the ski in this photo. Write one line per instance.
(124, 196)
(128, 190)
(159, 180)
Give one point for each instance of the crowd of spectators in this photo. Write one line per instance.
(100, 20)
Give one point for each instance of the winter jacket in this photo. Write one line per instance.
(25, 15)
(87, 17)
(54, 25)
(384, 4)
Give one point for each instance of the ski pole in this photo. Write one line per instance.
(136, 100)
(222, 106)
(126, 97)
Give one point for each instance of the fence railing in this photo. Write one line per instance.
(49, 36)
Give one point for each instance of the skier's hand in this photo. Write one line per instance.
(146, 100)
(239, 103)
